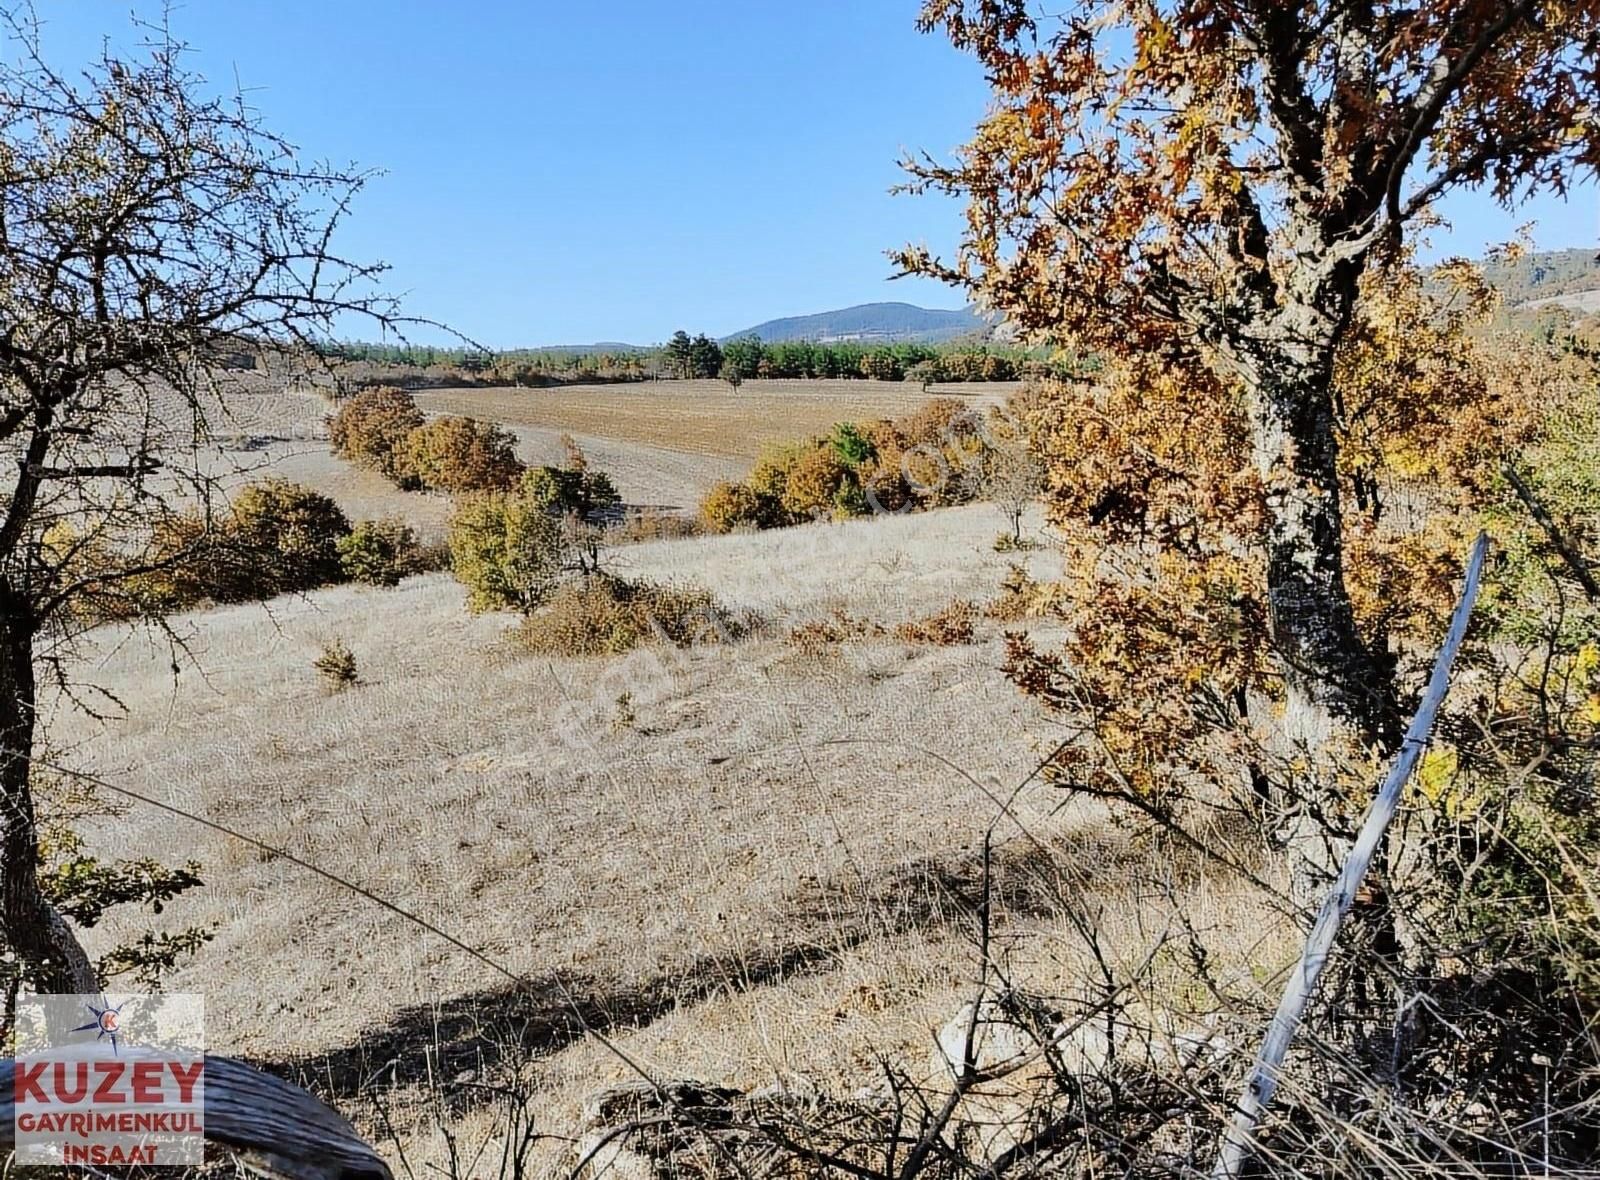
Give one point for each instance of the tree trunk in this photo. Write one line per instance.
(1335, 681)
(1337, 687)
(1328, 667)
(45, 945)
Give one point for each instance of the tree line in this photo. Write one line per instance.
(686, 357)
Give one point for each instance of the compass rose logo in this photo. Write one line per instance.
(106, 1023)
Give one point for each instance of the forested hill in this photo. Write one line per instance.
(871, 322)
(1564, 276)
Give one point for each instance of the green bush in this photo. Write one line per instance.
(287, 534)
(337, 666)
(574, 488)
(509, 551)
(380, 553)
(852, 446)
(277, 538)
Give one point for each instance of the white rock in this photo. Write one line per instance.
(996, 1040)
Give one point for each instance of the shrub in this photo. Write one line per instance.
(884, 484)
(822, 637)
(939, 422)
(770, 476)
(812, 489)
(508, 551)
(380, 553)
(181, 554)
(279, 538)
(1021, 596)
(728, 506)
(370, 429)
(461, 455)
(851, 446)
(607, 616)
(654, 525)
(574, 488)
(949, 627)
(337, 666)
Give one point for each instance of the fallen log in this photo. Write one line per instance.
(269, 1125)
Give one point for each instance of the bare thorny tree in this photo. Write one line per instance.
(148, 233)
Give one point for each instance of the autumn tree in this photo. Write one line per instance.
(1198, 188)
(1010, 475)
(370, 429)
(457, 454)
(149, 231)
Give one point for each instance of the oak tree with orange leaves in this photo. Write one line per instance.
(1196, 188)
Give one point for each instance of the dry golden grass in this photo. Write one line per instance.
(701, 417)
(739, 861)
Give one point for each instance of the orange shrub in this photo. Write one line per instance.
(814, 483)
(728, 506)
(461, 455)
(370, 429)
(950, 627)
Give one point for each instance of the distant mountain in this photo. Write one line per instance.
(1569, 277)
(611, 346)
(871, 323)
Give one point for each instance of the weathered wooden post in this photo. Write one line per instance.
(1263, 1081)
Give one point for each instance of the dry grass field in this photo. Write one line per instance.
(745, 863)
(742, 862)
(701, 417)
(663, 443)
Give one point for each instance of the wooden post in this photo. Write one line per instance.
(1258, 1091)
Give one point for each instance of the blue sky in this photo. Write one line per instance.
(572, 172)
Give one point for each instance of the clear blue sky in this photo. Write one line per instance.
(562, 173)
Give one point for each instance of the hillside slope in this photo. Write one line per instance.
(741, 860)
(871, 322)
(1554, 276)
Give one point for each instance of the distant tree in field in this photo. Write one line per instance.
(679, 355)
(1010, 475)
(747, 354)
(456, 454)
(1196, 190)
(149, 232)
(370, 429)
(705, 357)
(881, 364)
(925, 373)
